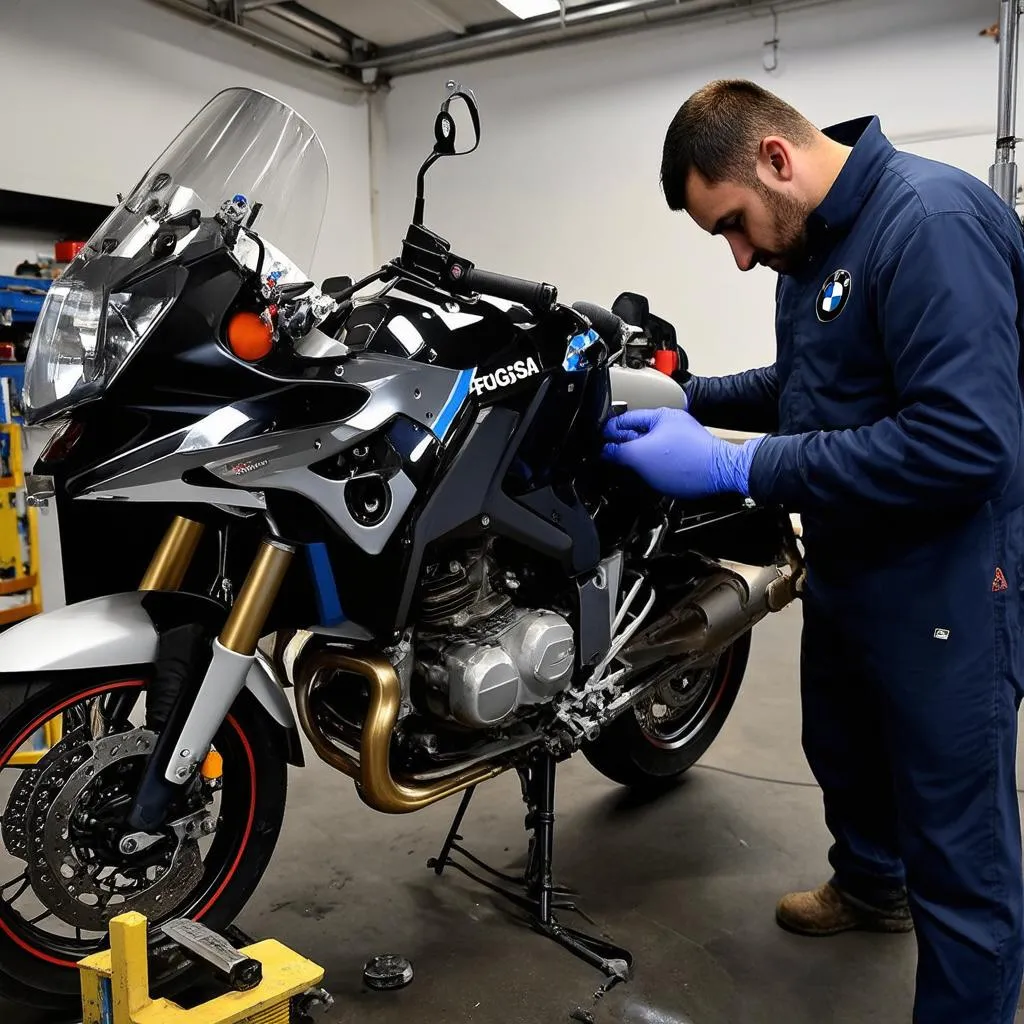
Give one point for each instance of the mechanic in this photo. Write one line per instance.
(891, 421)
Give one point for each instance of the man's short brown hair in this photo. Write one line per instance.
(717, 132)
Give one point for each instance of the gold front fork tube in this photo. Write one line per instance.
(249, 613)
(171, 561)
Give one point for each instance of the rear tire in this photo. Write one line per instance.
(38, 969)
(647, 759)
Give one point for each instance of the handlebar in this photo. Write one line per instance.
(534, 295)
(606, 323)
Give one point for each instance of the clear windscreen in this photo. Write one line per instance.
(242, 143)
(245, 158)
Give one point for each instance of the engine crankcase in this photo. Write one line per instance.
(524, 658)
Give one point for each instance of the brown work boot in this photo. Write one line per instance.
(827, 911)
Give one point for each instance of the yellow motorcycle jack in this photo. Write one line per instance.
(267, 980)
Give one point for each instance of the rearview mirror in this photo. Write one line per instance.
(457, 128)
(658, 334)
(456, 133)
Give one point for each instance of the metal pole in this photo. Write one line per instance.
(1003, 173)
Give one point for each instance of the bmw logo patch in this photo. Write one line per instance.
(834, 294)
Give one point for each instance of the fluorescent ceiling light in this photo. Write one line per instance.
(530, 8)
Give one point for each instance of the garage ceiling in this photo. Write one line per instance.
(404, 21)
(369, 41)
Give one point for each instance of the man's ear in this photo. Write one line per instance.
(775, 160)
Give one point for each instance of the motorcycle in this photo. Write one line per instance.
(405, 474)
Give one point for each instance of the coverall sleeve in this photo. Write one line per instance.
(947, 309)
(740, 401)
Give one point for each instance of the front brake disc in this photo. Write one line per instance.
(76, 887)
(13, 826)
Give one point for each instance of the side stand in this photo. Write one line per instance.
(534, 890)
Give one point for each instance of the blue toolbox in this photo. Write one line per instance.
(21, 299)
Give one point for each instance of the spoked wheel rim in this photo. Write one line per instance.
(223, 855)
(681, 707)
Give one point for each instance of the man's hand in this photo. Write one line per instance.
(674, 454)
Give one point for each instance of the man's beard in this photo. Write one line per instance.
(790, 218)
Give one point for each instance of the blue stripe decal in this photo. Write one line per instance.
(328, 603)
(454, 404)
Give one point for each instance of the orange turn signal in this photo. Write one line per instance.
(250, 336)
(213, 766)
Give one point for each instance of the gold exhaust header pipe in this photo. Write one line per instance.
(375, 784)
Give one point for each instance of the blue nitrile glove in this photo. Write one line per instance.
(674, 454)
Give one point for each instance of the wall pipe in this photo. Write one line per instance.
(588, 22)
(1003, 173)
(338, 69)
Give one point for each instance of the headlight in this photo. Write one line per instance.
(129, 319)
(79, 342)
(65, 345)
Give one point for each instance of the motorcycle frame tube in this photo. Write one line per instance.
(376, 785)
(172, 558)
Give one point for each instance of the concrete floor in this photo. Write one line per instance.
(688, 882)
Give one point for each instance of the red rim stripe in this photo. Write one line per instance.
(106, 688)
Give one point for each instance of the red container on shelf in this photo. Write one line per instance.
(65, 252)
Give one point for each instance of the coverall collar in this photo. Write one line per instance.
(864, 166)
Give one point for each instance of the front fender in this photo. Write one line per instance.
(122, 631)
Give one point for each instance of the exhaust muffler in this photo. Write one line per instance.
(731, 601)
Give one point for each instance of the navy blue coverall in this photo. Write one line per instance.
(895, 417)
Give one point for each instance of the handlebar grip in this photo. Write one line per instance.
(606, 323)
(534, 295)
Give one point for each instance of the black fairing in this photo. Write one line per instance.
(511, 470)
(514, 464)
(469, 333)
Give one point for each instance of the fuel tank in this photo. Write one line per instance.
(644, 388)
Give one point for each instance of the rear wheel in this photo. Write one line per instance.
(63, 874)
(664, 735)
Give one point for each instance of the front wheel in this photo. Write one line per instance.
(63, 874)
(661, 737)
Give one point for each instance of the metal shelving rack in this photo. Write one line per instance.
(19, 528)
(19, 532)
(20, 301)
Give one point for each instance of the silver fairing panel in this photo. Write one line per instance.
(428, 395)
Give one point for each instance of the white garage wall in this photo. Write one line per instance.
(95, 89)
(565, 184)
